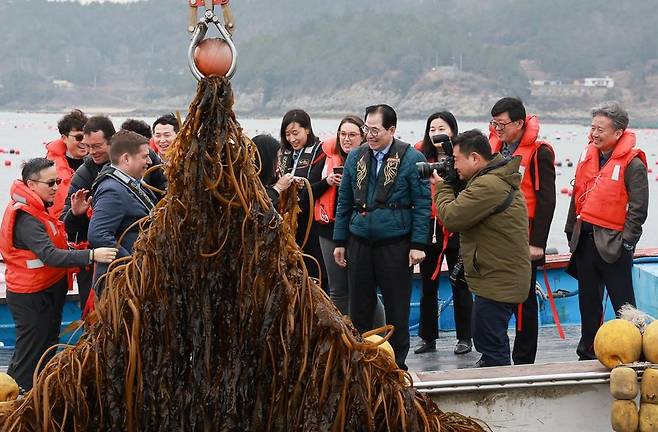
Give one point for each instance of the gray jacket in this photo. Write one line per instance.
(609, 242)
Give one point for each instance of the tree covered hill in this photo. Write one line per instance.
(135, 54)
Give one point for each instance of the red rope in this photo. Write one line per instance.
(556, 318)
(444, 246)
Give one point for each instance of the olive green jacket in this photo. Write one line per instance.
(494, 246)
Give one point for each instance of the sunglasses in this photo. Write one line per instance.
(50, 183)
(78, 137)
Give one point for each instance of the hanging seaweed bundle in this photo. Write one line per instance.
(213, 323)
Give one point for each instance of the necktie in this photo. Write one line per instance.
(380, 159)
(505, 151)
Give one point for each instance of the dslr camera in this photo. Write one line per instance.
(445, 167)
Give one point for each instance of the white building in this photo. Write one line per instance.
(599, 82)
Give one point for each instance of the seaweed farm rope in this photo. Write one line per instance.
(213, 324)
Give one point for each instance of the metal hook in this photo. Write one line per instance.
(199, 34)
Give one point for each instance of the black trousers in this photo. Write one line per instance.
(385, 266)
(593, 274)
(84, 278)
(490, 321)
(525, 342)
(462, 298)
(38, 317)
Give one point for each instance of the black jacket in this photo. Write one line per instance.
(84, 177)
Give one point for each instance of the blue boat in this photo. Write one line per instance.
(563, 287)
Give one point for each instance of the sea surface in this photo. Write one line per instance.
(29, 132)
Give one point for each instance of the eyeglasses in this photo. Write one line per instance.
(49, 183)
(350, 135)
(372, 131)
(499, 126)
(78, 137)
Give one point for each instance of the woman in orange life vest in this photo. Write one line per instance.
(441, 243)
(302, 155)
(39, 266)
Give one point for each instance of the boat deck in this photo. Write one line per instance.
(550, 349)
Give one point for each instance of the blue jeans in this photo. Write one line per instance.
(490, 321)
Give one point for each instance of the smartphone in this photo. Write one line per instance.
(338, 170)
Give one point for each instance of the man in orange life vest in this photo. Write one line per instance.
(38, 266)
(513, 133)
(67, 152)
(608, 207)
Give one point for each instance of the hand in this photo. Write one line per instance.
(435, 178)
(105, 255)
(339, 256)
(334, 179)
(629, 247)
(283, 183)
(80, 202)
(415, 257)
(535, 252)
(299, 181)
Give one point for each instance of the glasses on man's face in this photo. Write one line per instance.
(50, 183)
(78, 137)
(372, 131)
(499, 126)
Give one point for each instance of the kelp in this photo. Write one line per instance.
(213, 324)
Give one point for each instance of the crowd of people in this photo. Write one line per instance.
(372, 212)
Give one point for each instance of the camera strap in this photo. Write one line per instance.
(506, 203)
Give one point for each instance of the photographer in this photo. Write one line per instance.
(491, 216)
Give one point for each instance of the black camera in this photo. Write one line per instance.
(445, 167)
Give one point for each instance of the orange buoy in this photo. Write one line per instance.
(213, 57)
(564, 190)
(17, 151)
(7, 162)
(570, 192)
(649, 170)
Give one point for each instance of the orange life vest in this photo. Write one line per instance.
(324, 210)
(57, 153)
(600, 193)
(154, 146)
(25, 272)
(527, 149)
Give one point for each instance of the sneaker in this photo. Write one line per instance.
(463, 347)
(425, 346)
(480, 363)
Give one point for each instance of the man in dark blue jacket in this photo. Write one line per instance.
(381, 225)
(119, 198)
